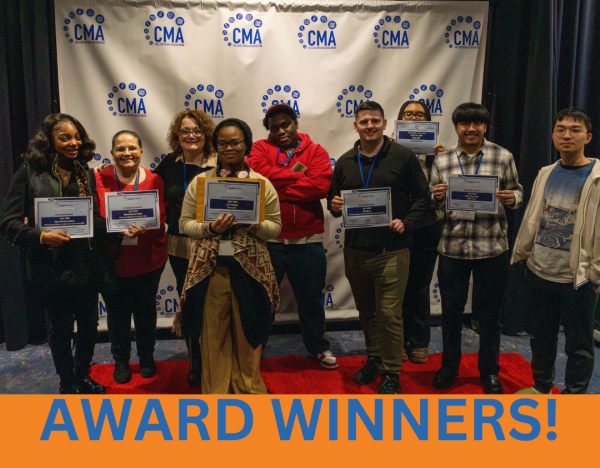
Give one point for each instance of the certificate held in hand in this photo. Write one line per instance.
(70, 215)
(243, 198)
(124, 209)
(472, 193)
(367, 207)
(419, 136)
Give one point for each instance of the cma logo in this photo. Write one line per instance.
(391, 34)
(326, 299)
(209, 102)
(244, 33)
(433, 100)
(127, 105)
(166, 306)
(287, 96)
(463, 33)
(350, 99)
(317, 33)
(155, 162)
(83, 28)
(161, 34)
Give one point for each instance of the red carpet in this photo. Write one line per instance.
(302, 375)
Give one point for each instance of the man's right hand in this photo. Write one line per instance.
(336, 204)
(439, 191)
(55, 238)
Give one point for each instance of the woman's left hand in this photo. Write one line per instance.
(438, 149)
(135, 231)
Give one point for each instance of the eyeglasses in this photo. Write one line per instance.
(235, 144)
(574, 132)
(184, 132)
(124, 149)
(410, 114)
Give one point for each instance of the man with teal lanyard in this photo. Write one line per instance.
(473, 242)
(377, 258)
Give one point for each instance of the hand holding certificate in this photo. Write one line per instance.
(242, 199)
(70, 216)
(367, 207)
(419, 136)
(472, 193)
(140, 208)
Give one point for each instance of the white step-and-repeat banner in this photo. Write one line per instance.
(134, 64)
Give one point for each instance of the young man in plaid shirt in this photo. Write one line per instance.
(473, 242)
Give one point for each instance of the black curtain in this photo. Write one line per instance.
(28, 90)
(544, 56)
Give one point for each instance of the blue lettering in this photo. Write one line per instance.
(219, 109)
(156, 30)
(131, 105)
(257, 39)
(78, 35)
(88, 33)
(480, 419)
(235, 39)
(333, 420)
(311, 41)
(395, 38)
(51, 425)
(322, 38)
(246, 37)
(525, 419)
(102, 308)
(209, 107)
(185, 419)
(467, 38)
(297, 411)
(169, 34)
(435, 105)
(349, 103)
(222, 419)
(99, 33)
(153, 404)
(142, 107)
(445, 418)
(420, 430)
(455, 41)
(374, 428)
(329, 301)
(168, 307)
(120, 101)
(405, 39)
(197, 103)
(106, 412)
(289, 102)
(475, 39)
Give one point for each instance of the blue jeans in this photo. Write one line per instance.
(306, 268)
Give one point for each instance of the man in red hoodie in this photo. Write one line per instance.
(300, 170)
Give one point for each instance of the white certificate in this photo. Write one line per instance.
(367, 207)
(472, 193)
(238, 197)
(419, 136)
(72, 216)
(140, 207)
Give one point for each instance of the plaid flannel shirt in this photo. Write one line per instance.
(485, 236)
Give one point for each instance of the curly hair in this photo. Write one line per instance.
(40, 153)
(205, 124)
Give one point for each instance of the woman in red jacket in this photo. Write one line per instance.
(140, 263)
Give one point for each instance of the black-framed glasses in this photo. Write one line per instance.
(184, 132)
(410, 114)
(561, 132)
(235, 144)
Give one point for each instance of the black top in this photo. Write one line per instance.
(398, 168)
(172, 174)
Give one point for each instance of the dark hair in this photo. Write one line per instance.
(243, 126)
(368, 105)
(40, 151)
(423, 105)
(574, 114)
(203, 121)
(470, 112)
(282, 110)
(126, 132)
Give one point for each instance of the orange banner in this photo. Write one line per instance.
(294, 431)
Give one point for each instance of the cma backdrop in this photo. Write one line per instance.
(134, 64)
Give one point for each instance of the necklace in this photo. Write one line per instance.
(64, 175)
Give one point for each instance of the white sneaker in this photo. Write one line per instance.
(327, 360)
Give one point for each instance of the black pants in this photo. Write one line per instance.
(551, 304)
(489, 284)
(133, 295)
(416, 307)
(306, 268)
(62, 306)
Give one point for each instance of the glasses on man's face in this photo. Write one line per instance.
(561, 132)
(235, 144)
(124, 149)
(185, 132)
(417, 115)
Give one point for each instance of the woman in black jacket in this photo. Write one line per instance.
(67, 271)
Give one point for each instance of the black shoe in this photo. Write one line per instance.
(390, 384)
(444, 378)
(69, 388)
(89, 386)
(147, 368)
(369, 372)
(492, 385)
(122, 374)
